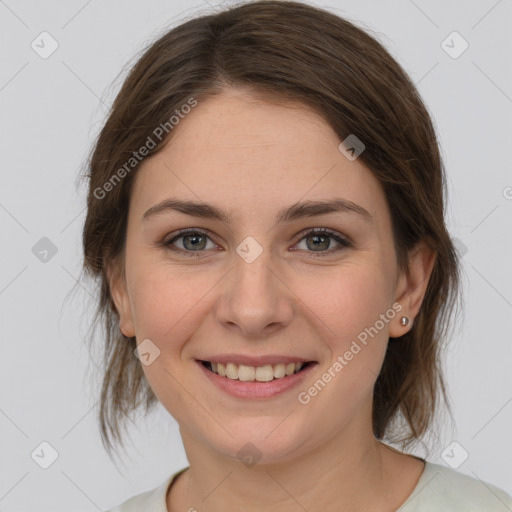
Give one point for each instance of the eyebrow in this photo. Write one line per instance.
(288, 214)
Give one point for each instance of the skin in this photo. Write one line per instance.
(253, 158)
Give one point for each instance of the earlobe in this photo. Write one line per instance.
(118, 291)
(412, 286)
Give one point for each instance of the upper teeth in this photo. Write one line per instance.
(260, 373)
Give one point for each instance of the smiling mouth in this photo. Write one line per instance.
(264, 373)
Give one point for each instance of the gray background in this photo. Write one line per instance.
(51, 110)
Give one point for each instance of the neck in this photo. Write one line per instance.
(349, 471)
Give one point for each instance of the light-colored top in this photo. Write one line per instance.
(439, 489)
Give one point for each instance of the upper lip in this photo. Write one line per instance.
(254, 360)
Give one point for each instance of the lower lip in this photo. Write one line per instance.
(255, 389)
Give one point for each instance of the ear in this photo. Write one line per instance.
(411, 286)
(119, 293)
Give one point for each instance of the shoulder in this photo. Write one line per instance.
(445, 490)
(149, 501)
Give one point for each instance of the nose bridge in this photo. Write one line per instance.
(253, 272)
(254, 298)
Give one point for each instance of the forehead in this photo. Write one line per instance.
(242, 152)
(236, 124)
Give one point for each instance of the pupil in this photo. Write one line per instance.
(195, 238)
(316, 237)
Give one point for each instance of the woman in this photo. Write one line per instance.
(266, 222)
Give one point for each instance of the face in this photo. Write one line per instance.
(258, 287)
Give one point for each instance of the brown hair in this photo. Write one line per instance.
(292, 51)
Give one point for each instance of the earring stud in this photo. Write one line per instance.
(404, 320)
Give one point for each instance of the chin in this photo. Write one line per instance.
(259, 441)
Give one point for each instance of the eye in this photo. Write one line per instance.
(321, 240)
(193, 241)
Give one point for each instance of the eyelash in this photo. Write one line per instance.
(345, 243)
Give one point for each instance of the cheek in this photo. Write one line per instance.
(349, 304)
(164, 303)
(167, 309)
(349, 308)
(352, 295)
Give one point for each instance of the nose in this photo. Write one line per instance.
(255, 298)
